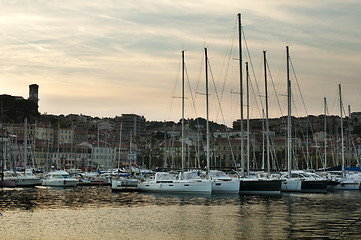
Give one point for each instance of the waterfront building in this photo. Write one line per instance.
(132, 125)
(102, 154)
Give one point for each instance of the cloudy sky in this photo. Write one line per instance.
(105, 57)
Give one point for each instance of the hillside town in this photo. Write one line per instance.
(90, 143)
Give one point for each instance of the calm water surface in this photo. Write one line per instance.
(98, 213)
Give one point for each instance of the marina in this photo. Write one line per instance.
(242, 150)
(69, 213)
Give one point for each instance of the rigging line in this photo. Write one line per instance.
(302, 132)
(343, 230)
(173, 92)
(194, 105)
(190, 90)
(254, 94)
(255, 79)
(227, 70)
(194, 102)
(229, 54)
(274, 88)
(298, 86)
(220, 109)
(335, 105)
(200, 74)
(318, 153)
(299, 89)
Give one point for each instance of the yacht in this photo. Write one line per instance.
(311, 182)
(59, 178)
(223, 183)
(347, 181)
(23, 179)
(186, 182)
(124, 183)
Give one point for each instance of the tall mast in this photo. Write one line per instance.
(120, 144)
(342, 150)
(267, 125)
(325, 128)
(182, 111)
(349, 133)
(247, 77)
(2, 143)
(241, 90)
(208, 141)
(165, 146)
(25, 143)
(263, 131)
(289, 114)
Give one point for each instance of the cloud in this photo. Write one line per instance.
(99, 53)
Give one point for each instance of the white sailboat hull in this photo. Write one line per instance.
(124, 184)
(204, 187)
(291, 185)
(60, 183)
(219, 186)
(25, 181)
(348, 185)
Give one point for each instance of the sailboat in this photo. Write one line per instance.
(289, 183)
(221, 182)
(248, 184)
(348, 180)
(3, 181)
(125, 182)
(310, 182)
(184, 182)
(26, 178)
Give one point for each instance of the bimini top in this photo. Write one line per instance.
(215, 174)
(62, 173)
(164, 176)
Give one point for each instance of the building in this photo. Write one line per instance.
(132, 125)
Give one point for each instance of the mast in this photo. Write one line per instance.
(120, 143)
(241, 90)
(208, 141)
(247, 77)
(182, 112)
(58, 150)
(342, 150)
(289, 115)
(25, 143)
(349, 135)
(325, 128)
(165, 145)
(267, 125)
(263, 131)
(2, 143)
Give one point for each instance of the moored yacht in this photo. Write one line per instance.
(59, 178)
(164, 182)
(347, 181)
(311, 182)
(23, 179)
(260, 184)
(290, 183)
(223, 183)
(125, 183)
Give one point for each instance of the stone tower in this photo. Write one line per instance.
(33, 93)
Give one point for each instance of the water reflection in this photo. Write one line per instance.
(285, 216)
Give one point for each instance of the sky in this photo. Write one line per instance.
(104, 58)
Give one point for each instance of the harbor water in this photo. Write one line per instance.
(85, 212)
